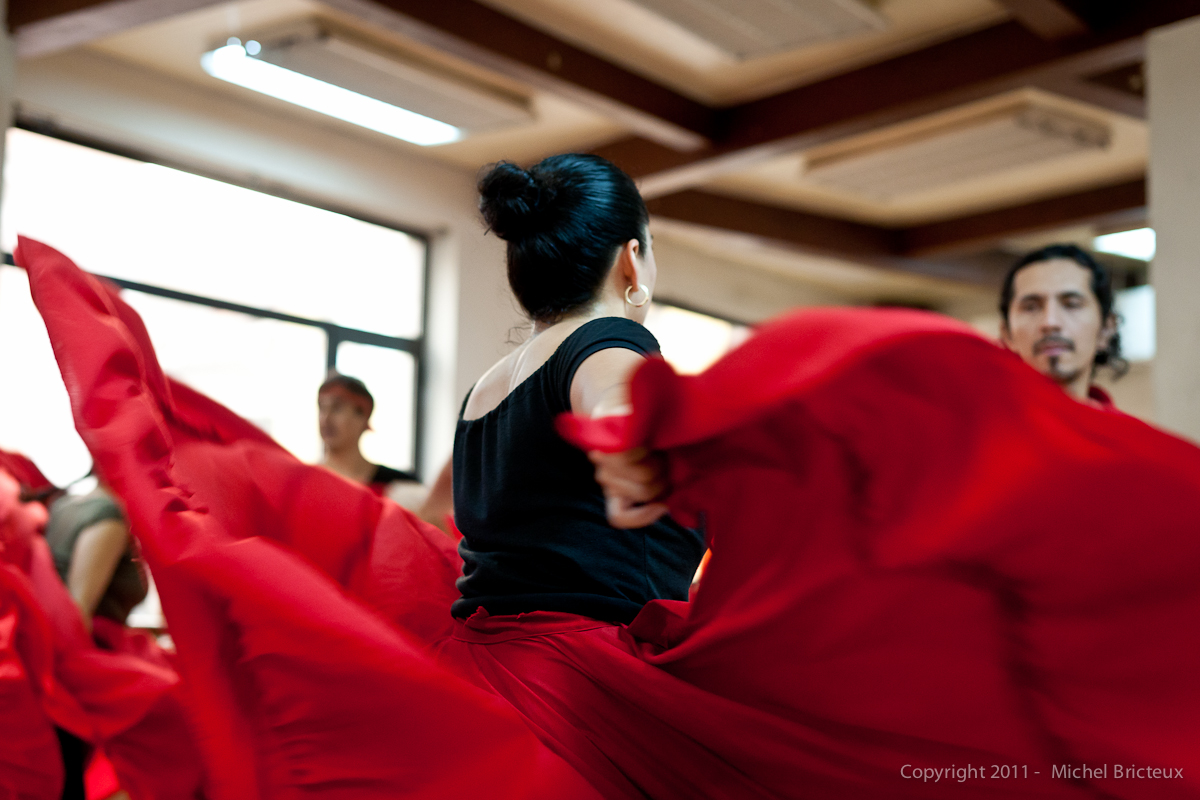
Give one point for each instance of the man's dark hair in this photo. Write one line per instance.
(1101, 285)
(352, 385)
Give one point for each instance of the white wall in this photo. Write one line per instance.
(692, 278)
(470, 313)
(1173, 92)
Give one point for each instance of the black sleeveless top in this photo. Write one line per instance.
(535, 535)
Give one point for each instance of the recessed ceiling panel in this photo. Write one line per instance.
(911, 162)
(750, 28)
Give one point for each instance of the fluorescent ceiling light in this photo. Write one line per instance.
(232, 63)
(1138, 243)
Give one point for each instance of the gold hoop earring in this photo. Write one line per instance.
(645, 295)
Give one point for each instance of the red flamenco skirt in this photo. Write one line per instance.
(123, 699)
(933, 575)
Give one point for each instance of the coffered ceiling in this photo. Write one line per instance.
(814, 150)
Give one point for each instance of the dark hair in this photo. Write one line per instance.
(352, 385)
(1101, 285)
(564, 220)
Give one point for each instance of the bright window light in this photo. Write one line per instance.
(1137, 244)
(233, 64)
(1136, 309)
(692, 341)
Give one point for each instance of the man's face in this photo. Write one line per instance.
(342, 420)
(1054, 321)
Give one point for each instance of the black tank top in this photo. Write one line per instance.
(535, 535)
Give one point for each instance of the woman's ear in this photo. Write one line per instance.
(628, 264)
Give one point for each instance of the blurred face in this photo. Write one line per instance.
(1054, 321)
(342, 420)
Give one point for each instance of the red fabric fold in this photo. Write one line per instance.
(941, 544)
(121, 701)
(299, 603)
(924, 555)
(30, 763)
(24, 471)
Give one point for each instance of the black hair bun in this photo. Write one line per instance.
(513, 202)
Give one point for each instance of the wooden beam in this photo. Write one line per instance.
(463, 28)
(476, 33)
(25, 12)
(978, 231)
(41, 27)
(1050, 19)
(810, 232)
(923, 248)
(982, 64)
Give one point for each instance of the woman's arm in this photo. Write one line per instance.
(439, 502)
(632, 480)
(98, 550)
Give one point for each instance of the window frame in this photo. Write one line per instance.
(334, 334)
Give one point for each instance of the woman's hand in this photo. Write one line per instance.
(632, 482)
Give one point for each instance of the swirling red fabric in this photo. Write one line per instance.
(933, 575)
(30, 764)
(24, 471)
(52, 674)
(300, 604)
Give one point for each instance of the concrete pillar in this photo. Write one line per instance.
(1173, 91)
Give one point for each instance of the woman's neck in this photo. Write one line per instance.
(350, 463)
(603, 307)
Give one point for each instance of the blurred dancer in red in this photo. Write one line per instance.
(110, 704)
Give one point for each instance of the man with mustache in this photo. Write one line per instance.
(1056, 309)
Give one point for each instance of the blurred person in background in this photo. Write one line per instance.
(344, 407)
(1056, 310)
(86, 541)
(96, 557)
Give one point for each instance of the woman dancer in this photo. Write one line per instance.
(532, 516)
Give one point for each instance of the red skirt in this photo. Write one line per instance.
(933, 575)
(123, 699)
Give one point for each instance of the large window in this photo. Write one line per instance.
(248, 297)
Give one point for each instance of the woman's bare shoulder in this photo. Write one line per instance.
(511, 371)
(491, 388)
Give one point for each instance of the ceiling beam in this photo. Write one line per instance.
(978, 231)
(462, 28)
(1050, 19)
(811, 232)
(41, 27)
(679, 142)
(474, 32)
(972, 67)
(909, 249)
